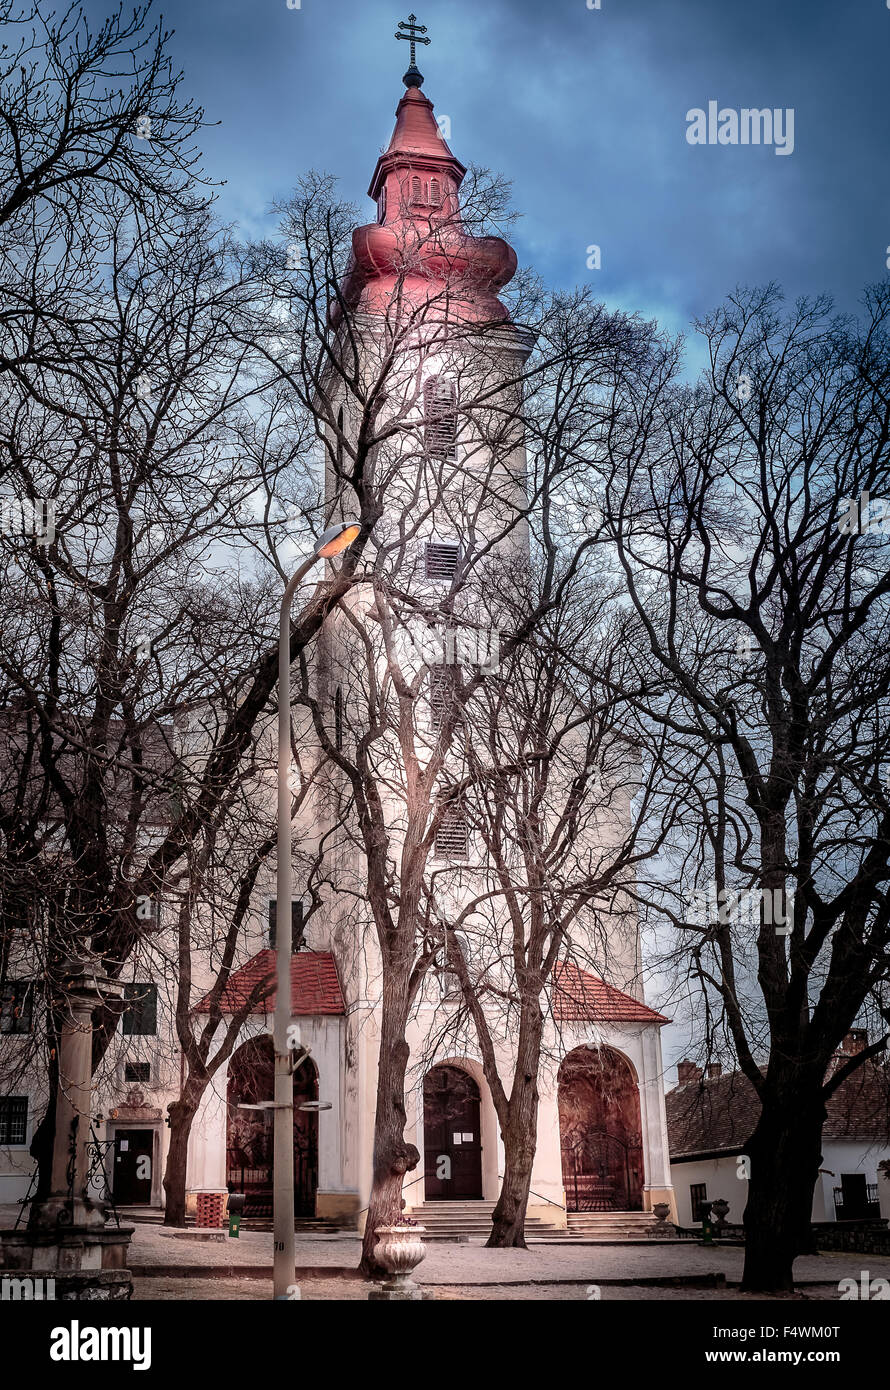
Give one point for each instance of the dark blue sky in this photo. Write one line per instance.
(585, 111)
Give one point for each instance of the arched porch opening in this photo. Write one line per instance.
(600, 1131)
(249, 1147)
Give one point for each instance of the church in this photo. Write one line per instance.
(602, 1160)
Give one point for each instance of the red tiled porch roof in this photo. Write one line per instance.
(314, 986)
(579, 995)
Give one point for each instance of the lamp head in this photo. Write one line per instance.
(337, 538)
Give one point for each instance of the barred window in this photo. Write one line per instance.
(13, 1119)
(140, 1016)
(452, 836)
(296, 924)
(448, 978)
(137, 1071)
(440, 418)
(442, 559)
(435, 192)
(16, 1004)
(416, 190)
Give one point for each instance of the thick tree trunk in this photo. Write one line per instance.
(393, 1158)
(785, 1153)
(182, 1113)
(520, 1136)
(508, 1217)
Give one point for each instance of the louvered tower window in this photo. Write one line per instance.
(440, 418)
(442, 559)
(443, 682)
(452, 837)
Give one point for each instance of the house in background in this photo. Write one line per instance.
(711, 1115)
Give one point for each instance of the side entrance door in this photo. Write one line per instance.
(855, 1196)
(133, 1150)
(452, 1142)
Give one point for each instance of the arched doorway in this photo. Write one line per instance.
(452, 1142)
(600, 1131)
(249, 1146)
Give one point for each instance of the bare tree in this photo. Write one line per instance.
(739, 512)
(564, 795)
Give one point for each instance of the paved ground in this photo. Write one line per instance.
(196, 1290)
(470, 1271)
(203, 1270)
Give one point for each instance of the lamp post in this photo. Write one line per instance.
(335, 539)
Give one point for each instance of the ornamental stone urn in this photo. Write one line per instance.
(400, 1250)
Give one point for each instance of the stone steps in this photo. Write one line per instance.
(466, 1220)
(611, 1225)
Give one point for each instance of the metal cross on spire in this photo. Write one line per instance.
(412, 32)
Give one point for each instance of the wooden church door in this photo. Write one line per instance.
(452, 1142)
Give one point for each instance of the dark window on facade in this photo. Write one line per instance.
(381, 205)
(452, 837)
(338, 718)
(140, 1017)
(137, 1071)
(440, 418)
(442, 559)
(339, 448)
(443, 683)
(16, 1001)
(698, 1198)
(296, 919)
(13, 1119)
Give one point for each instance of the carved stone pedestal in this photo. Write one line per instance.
(66, 1244)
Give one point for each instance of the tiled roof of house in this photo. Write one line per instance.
(579, 995)
(314, 986)
(719, 1114)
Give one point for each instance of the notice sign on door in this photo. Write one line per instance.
(125, 1144)
(468, 1138)
(455, 1138)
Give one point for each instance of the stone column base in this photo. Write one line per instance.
(341, 1207)
(653, 1195)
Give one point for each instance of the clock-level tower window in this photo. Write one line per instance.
(440, 418)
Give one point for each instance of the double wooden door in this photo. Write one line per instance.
(451, 1139)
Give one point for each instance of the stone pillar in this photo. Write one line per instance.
(66, 1236)
(83, 990)
(658, 1186)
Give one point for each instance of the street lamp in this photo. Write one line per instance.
(335, 539)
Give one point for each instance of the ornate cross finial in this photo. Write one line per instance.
(413, 31)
